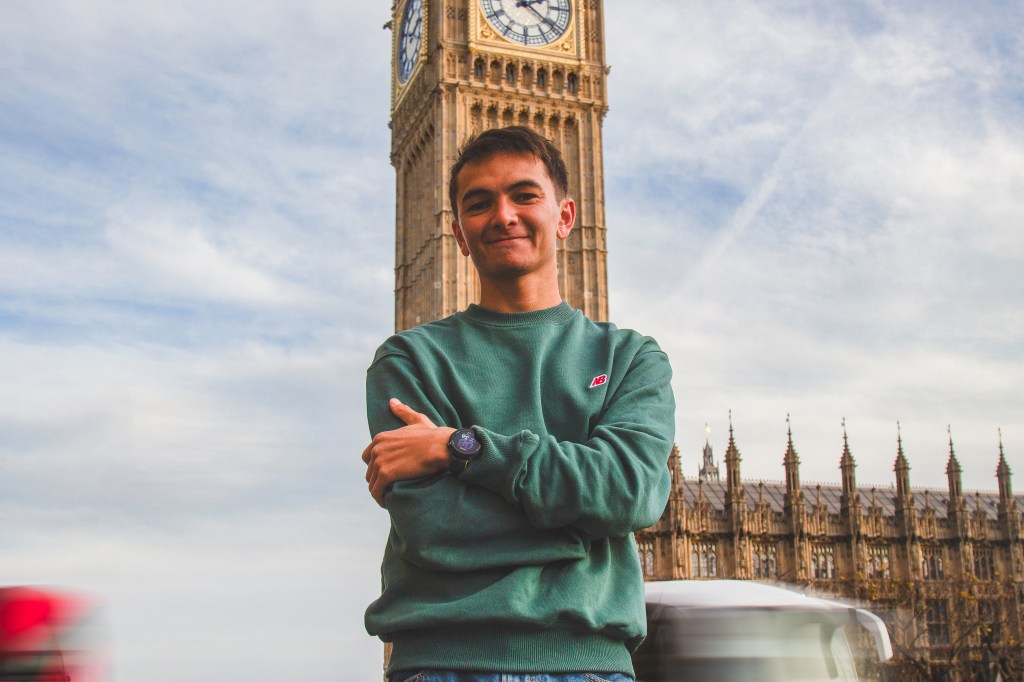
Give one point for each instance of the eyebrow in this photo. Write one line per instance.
(480, 191)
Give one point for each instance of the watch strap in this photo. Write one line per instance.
(456, 464)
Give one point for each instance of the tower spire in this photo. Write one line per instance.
(1002, 455)
(791, 462)
(708, 470)
(732, 466)
(957, 510)
(901, 467)
(1003, 474)
(847, 458)
(953, 471)
(848, 503)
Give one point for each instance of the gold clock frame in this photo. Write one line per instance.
(568, 48)
(398, 87)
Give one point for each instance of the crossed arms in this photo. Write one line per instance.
(607, 481)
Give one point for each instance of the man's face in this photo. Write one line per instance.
(509, 216)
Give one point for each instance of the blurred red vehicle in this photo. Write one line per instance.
(45, 636)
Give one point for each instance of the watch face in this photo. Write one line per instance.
(465, 442)
(529, 22)
(409, 38)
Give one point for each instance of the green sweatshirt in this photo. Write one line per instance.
(526, 562)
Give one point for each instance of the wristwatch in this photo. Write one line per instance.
(463, 447)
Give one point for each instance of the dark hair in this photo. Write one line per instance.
(510, 140)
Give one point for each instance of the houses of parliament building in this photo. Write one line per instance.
(943, 568)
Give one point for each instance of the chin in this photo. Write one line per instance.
(503, 271)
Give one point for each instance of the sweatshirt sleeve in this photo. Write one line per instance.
(615, 482)
(393, 375)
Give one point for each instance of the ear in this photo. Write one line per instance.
(566, 218)
(459, 237)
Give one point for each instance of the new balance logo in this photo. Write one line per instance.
(599, 380)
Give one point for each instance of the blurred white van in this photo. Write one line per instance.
(733, 631)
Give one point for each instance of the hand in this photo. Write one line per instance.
(412, 451)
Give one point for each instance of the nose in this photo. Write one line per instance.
(505, 212)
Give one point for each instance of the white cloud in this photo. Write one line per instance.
(173, 257)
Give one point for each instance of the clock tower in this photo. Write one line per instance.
(461, 67)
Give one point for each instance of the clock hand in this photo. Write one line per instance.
(542, 17)
(528, 4)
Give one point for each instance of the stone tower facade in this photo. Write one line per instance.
(463, 66)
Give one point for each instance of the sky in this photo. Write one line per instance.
(816, 208)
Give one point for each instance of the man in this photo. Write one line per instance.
(516, 446)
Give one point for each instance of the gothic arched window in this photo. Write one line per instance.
(823, 562)
(764, 564)
(984, 563)
(646, 550)
(931, 563)
(878, 562)
(704, 560)
(526, 75)
(557, 80)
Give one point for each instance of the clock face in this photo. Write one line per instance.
(529, 22)
(409, 38)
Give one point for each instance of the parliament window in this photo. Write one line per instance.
(823, 562)
(878, 562)
(937, 621)
(646, 550)
(984, 563)
(571, 83)
(703, 560)
(931, 563)
(764, 562)
(542, 78)
(988, 618)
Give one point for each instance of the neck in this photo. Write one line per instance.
(519, 295)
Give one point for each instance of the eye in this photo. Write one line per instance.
(524, 197)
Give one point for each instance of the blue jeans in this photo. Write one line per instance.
(469, 676)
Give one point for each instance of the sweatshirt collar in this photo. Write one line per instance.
(556, 315)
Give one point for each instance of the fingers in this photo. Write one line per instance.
(373, 475)
(377, 491)
(378, 482)
(407, 414)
